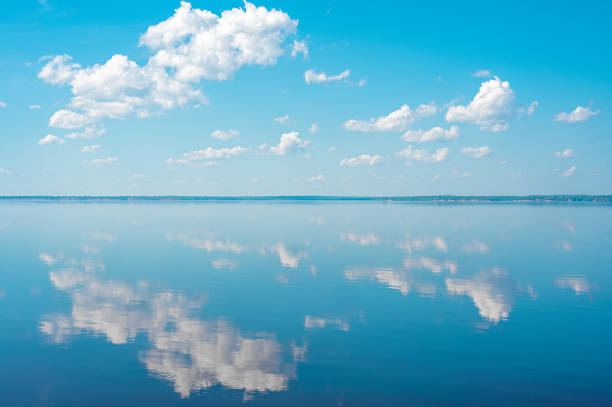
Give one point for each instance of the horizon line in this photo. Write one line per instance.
(535, 198)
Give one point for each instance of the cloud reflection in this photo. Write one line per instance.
(189, 353)
(489, 291)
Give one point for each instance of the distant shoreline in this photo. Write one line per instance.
(598, 199)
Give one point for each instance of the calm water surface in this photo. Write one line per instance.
(276, 304)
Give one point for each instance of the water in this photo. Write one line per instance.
(178, 303)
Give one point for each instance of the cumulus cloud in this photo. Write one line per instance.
(299, 47)
(314, 128)
(190, 46)
(33, 107)
(398, 120)
(5, 172)
(50, 139)
(569, 172)
(363, 159)
(409, 154)
(317, 178)
(579, 114)
(289, 142)
(2, 105)
(311, 76)
(90, 149)
(489, 109)
(208, 154)
(476, 152)
(282, 120)
(435, 134)
(567, 153)
(224, 135)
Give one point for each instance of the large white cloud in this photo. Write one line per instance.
(398, 120)
(363, 159)
(434, 134)
(289, 142)
(490, 108)
(310, 76)
(579, 114)
(188, 47)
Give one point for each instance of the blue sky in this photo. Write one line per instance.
(342, 98)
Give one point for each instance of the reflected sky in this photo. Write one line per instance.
(307, 304)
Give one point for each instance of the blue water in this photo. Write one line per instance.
(305, 304)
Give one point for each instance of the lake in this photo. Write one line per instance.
(305, 304)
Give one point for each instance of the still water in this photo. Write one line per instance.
(277, 304)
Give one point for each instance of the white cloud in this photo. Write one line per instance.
(299, 47)
(361, 83)
(208, 154)
(50, 139)
(34, 107)
(569, 172)
(482, 73)
(311, 76)
(317, 178)
(434, 134)
(101, 161)
(88, 132)
(314, 128)
(2, 104)
(90, 148)
(579, 114)
(532, 107)
(331, 149)
(422, 155)
(282, 120)
(5, 172)
(289, 142)
(476, 152)
(224, 135)
(363, 159)
(188, 47)
(567, 153)
(490, 107)
(398, 120)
